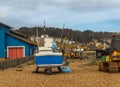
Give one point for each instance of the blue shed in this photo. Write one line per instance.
(14, 44)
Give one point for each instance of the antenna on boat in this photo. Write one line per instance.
(62, 37)
(44, 28)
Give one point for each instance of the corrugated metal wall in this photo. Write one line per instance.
(2, 41)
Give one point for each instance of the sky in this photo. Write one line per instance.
(95, 15)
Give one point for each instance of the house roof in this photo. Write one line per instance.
(23, 39)
(5, 25)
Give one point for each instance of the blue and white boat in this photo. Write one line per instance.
(48, 59)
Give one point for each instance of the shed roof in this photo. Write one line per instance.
(23, 39)
(18, 33)
(5, 25)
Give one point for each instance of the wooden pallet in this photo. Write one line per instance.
(111, 67)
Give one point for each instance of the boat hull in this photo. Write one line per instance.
(49, 60)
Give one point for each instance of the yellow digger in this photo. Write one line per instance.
(111, 62)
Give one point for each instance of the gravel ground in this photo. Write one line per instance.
(83, 75)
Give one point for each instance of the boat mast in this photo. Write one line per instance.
(62, 37)
(44, 28)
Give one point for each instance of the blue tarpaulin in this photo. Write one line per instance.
(65, 69)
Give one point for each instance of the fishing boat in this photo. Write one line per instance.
(48, 58)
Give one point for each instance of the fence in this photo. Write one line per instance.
(14, 62)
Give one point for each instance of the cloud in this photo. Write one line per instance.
(20, 13)
(75, 5)
(84, 5)
(1, 14)
(23, 6)
(94, 4)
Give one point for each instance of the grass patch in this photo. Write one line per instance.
(31, 63)
(92, 63)
(19, 68)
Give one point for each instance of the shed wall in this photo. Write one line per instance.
(12, 41)
(2, 41)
